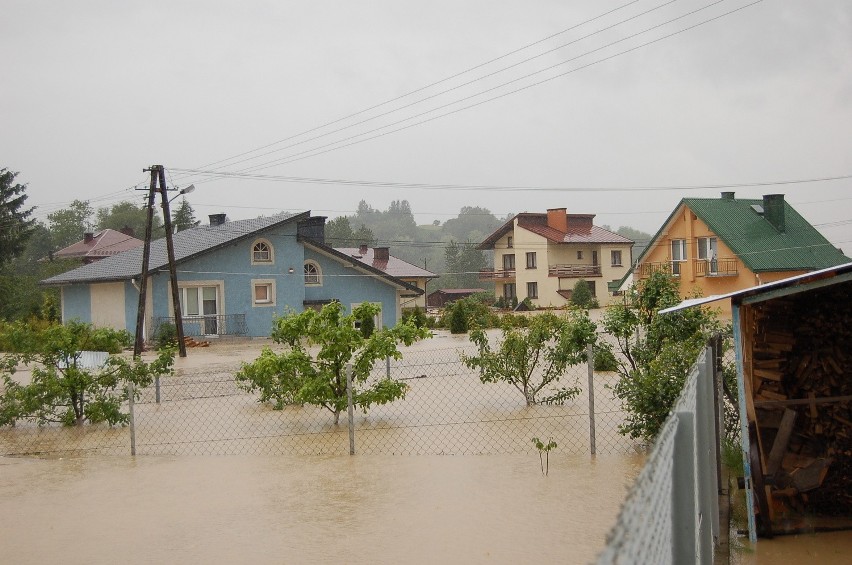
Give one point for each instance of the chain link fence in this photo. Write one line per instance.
(671, 514)
(446, 410)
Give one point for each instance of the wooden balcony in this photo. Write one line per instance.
(494, 275)
(721, 267)
(645, 270)
(574, 271)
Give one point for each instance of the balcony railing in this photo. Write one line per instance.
(491, 274)
(644, 270)
(721, 267)
(574, 271)
(210, 324)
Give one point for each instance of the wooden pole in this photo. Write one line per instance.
(167, 222)
(146, 257)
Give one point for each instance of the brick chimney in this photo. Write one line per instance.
(557, 218)
(363, 249)
(381, 253)
(312, 228)
(773, 211)
(217, 219)
(88, 237)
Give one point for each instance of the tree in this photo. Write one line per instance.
(61, 389)
(318, 348)
(183, 216)
(657, 351)
(534, 359)
(338, 233)
(471, 219)
(15, 223)
(464, 261)
(582, 295)
(364, 236)
(68, 225)
(126, 214)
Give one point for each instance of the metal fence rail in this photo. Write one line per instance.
(671, 514)
(446, 410)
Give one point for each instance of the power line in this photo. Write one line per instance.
(352, 140)
(420, 89)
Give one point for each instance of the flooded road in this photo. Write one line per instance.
(310, 509)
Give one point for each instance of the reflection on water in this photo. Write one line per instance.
(328, 509)
(833, 548)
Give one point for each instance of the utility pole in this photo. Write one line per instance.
(158, 175)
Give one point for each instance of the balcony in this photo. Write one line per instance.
(574, 271)
(209, 324)
(645, 270)
(494, 275)
(722, 267)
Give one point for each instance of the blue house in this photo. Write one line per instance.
(235, 277)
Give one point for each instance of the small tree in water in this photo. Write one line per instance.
(318, 377)
(533, 359)
(657, 351)
(62, 390)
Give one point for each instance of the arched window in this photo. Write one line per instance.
(313, 274)
(261, 252)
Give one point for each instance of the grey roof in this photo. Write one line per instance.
(187, 245)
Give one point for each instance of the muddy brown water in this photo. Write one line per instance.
(309, 509)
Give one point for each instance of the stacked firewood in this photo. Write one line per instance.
(803, 389)
(191, 342)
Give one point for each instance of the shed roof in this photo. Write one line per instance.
(791, 285)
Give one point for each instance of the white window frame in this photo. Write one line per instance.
(270, 286)
(270, 249)
(308, 264)
(678, 248)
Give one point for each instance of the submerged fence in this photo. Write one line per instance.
(671, 514)
(446, 410)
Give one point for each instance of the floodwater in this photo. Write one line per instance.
(834, 548)
(310, 509)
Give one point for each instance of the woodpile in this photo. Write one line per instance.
(191, 342)
(802, 387)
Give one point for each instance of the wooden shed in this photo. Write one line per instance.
(444, 296)
(794, 369)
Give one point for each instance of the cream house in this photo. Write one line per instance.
(543, 256)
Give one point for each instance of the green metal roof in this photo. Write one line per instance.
(758, 244)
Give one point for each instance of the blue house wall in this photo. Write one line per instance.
(351, 286)
(77, 303)
(233, 272)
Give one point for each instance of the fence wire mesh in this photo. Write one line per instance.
(446, 410)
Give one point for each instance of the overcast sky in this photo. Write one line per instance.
(93, 92)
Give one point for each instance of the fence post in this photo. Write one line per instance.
(132, 402)
(590, 364)
(706, 457)
(350, 409)
(157, 389)
(683, 499)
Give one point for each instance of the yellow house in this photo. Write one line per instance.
(543, 256)
(720, 245)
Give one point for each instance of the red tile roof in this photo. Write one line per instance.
(103, 244)
(392, 266)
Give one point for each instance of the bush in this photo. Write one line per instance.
(417, 317)
(166, 335)
(605, 359)
(582, 296)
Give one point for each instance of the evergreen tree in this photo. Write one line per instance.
(338, 233)
(15, 223)
(183, 216)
